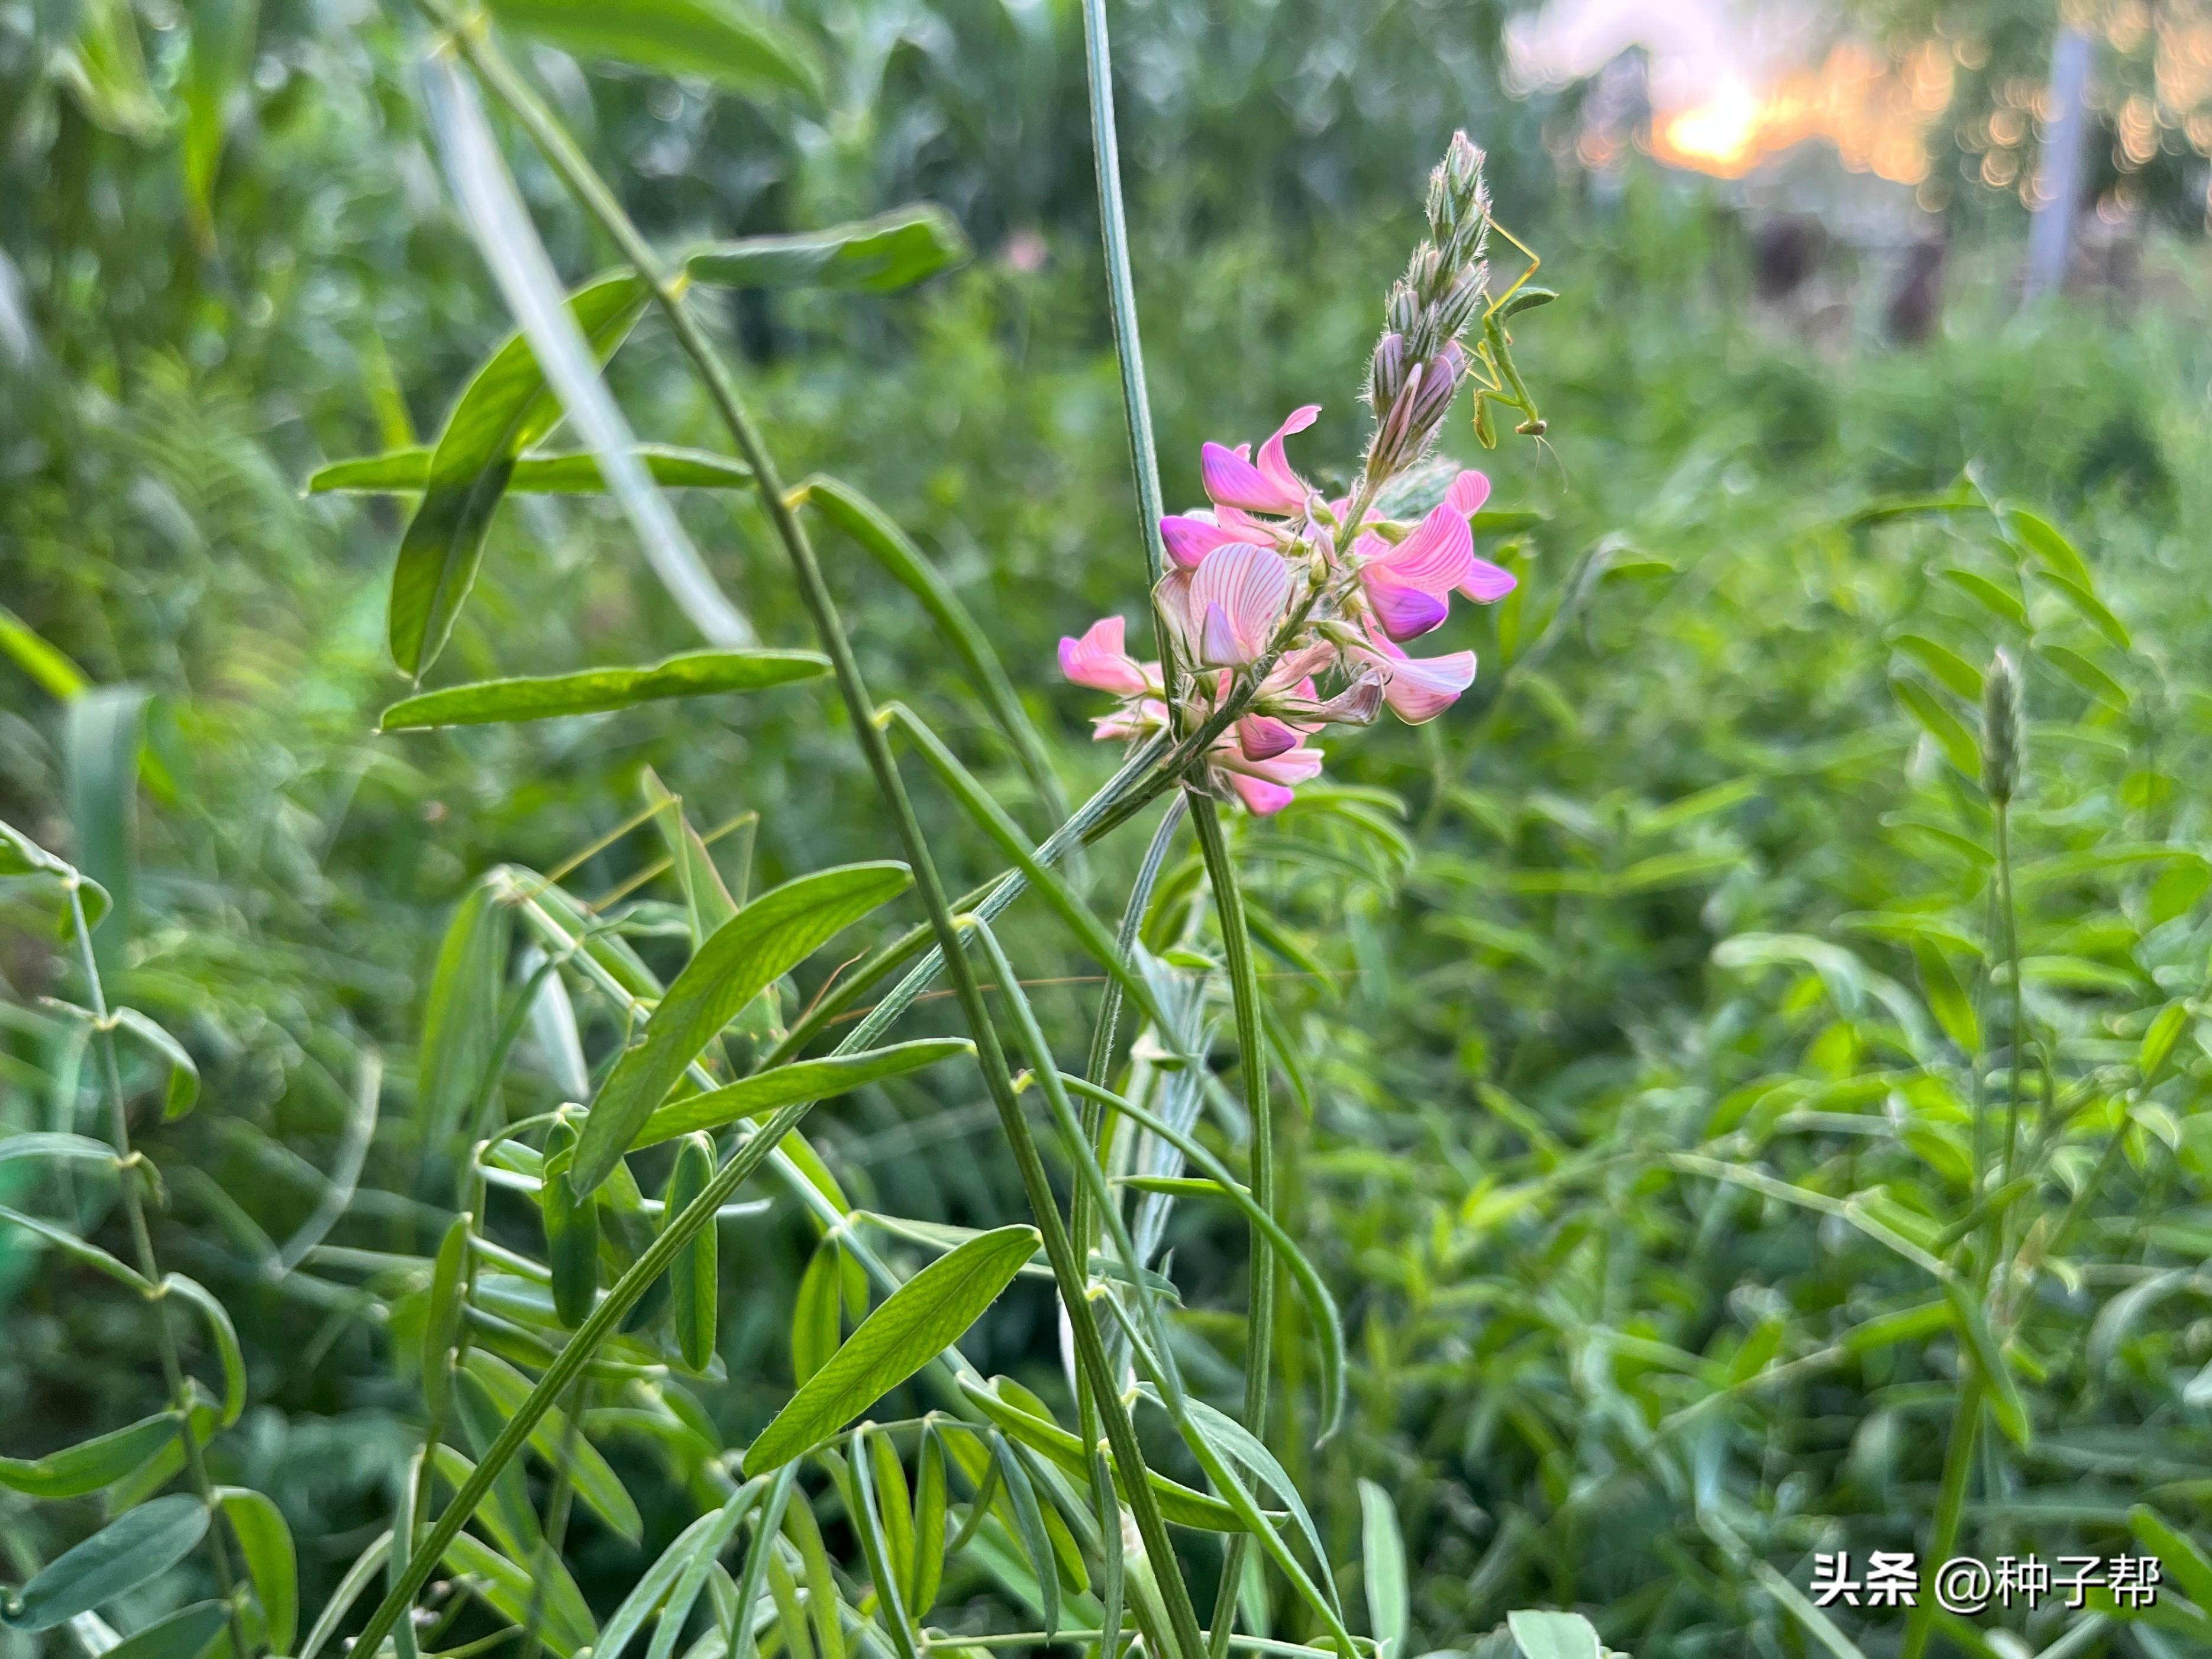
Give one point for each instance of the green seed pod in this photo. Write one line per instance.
(692, 1278)
(572, 1230)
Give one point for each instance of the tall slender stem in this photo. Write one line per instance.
(1252, 1046)
(149, 1266)
(561, 151)
(1122, 289)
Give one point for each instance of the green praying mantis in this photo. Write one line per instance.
(1496, 378)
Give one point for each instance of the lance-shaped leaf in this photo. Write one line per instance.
(271, 1564)
(802, 1080)
(447, 1309)
(893, 251)
(565, 1620)
(461, 1018)
(183, 1084)
(719, 40)
(1541, 1633)
(1383, 1557)
(228, 1352)
(187, 1633)
(766, 939)
(919, 1321)
(407, 471)
(76, 1471)
(22, 857)
(692, 1277)
(141, 1544)
(504, 408)
(594, 1479)
(597, 690)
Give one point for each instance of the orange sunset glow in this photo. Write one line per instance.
(1874, 112)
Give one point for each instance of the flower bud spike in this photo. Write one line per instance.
(2004, 729)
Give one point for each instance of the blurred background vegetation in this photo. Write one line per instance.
(1685, 866)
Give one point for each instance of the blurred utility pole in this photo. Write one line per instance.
(2058, 171)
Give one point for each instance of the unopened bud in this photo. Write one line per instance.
(1459, 202)
(1402, 310)
(1393, 426)
(2004, 729)
(1386, 376)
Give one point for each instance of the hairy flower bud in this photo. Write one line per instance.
(2004, 729)
(1459, 202)
(1386, 375)
(1402, 310)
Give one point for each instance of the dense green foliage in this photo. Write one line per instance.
(1646, 1028)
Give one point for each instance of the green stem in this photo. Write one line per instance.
(560, 150)
(1251, 1044)
(1950, 1501)
(2010, 911)
(150, 1268)
(1122, 293)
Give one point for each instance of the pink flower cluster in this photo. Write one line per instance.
(1275, 579)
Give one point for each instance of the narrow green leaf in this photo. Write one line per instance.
(916, 1322)
(1952, 670)
(1541, 1633)
(692, 1580)
(572, 1228)
(2004, 1397)
(1800, 1606)
(1382, 1557)
(70, 1245)
(228, 1352)
(594, 1479)
(187, 1633)
(141, 1544)
(62, 1148)
(707, 898)
(79, 1470)
(1948, 731)
(2043, 541)
(693, 1280)
(1947, 999)
(597, 690)
(216, 64)
(815, 1326)
(271, 1564)
(868, 1519)
(2185, 1561)
(357, 1578)
(895, 1499)
(441, 1324)
(2085, 673)
(565, 1619)
(1028, 1522)
(47, 664)
(723, 41)
(407, 471)
(766, 939)
(1987, 594)
(103, 731)
(504, 408)
(930, 1501)
(802, 1080)
(2158, 1042)
(2091, 610)
(1178, 1504)
(882, 255)
(822, 1603)
(461, 1013)
(653, 1587)
(183, 1084)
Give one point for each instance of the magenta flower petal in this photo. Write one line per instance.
(1262, 798)
(1486, 582)
(1237, 597)
(1405, 613)
(1099, 659)
(1262, 737)
(1189, 540)
(1232, 481)
(1298, 765)
(1468, 493)
(1275, 466)
(1435, 558)
(1422, 688)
